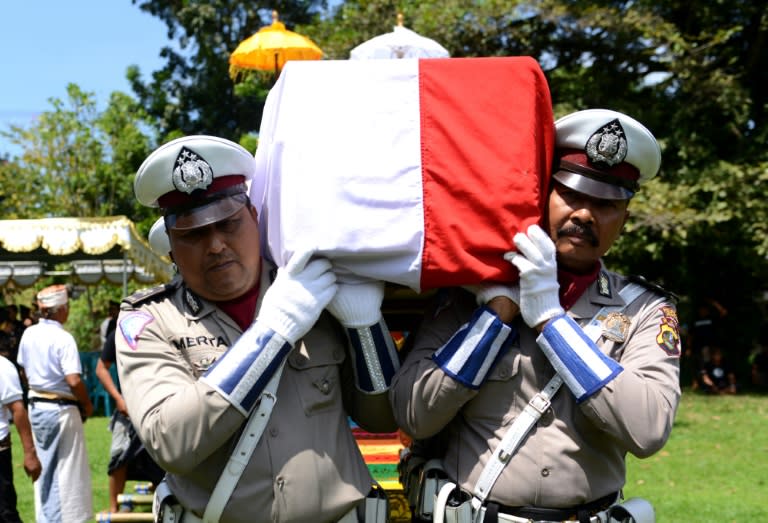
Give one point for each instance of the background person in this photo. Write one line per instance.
(128, 459)
(12, 408)
(108, 323)
(472, 371)
(59, 404)
(717, 375)
(194, 355)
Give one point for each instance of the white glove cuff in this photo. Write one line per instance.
(356, 307)
(486, 293)
(282, 324)
(540, 308)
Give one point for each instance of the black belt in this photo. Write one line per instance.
(58, 401)
(578, 513)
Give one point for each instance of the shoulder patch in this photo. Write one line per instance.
(655, 287)
(132, 324)
(668, 337)
(145, 295)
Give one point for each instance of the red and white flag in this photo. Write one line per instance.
(417, 172)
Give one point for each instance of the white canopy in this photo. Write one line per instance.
(96, 249)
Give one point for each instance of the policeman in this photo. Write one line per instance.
(158, 238)
(483, 378)
(205, 357)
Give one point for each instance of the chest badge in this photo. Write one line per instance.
(616, 327)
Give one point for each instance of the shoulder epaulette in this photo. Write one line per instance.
(149, 294)
(655, 287)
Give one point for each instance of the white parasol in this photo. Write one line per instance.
(400, 43)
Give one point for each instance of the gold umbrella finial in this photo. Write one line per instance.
(275, 17)
(400, 18)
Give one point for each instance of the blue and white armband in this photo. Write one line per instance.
(471, 353)
(576, 358)
(241, 373)
(375, 357)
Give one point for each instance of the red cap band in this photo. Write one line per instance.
(179, 199)
(625, 172)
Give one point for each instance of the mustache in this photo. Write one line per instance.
(584, 231)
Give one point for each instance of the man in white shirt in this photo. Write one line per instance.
(59, 404)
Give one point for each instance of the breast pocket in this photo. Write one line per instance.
(497, 395)
(315, 370)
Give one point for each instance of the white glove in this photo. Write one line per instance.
(297, 297)
(357, 303)
(485, 292)
(535, 259)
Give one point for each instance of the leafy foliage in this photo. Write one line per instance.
(693, 72)
(75, 160)
(193, 93)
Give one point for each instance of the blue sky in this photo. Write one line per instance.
(45, 45)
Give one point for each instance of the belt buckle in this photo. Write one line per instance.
(541, 403)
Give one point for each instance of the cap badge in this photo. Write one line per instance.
(192, 172)
(608, 144)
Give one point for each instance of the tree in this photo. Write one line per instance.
(693, 72)
(193, 93)
(78, 161)
(75, 160)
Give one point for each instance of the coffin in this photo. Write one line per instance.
(415, 172)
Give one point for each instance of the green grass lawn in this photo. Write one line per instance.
(714, 468)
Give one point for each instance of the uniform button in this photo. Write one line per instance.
(274, 432)
(325, 387)
(503, 372)
(545, 472)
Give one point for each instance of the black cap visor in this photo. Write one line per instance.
(592, 187)
(211, 211)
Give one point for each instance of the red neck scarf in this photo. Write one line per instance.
(573, 285)
(242, 309)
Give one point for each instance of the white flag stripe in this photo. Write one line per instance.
(371, 167)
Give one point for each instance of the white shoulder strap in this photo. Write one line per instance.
(240, 456)
(539, 405)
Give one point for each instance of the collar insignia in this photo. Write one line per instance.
(608, 144)
(192, 301)
(604, 285)
(616, 327)
(191, 172)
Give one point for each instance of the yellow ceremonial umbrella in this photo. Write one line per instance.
(270, 48)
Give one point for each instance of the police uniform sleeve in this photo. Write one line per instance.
(180, 419)
(639, 406)
(450, 359)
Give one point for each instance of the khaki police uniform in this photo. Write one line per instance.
(307, 466)
(575, 454)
